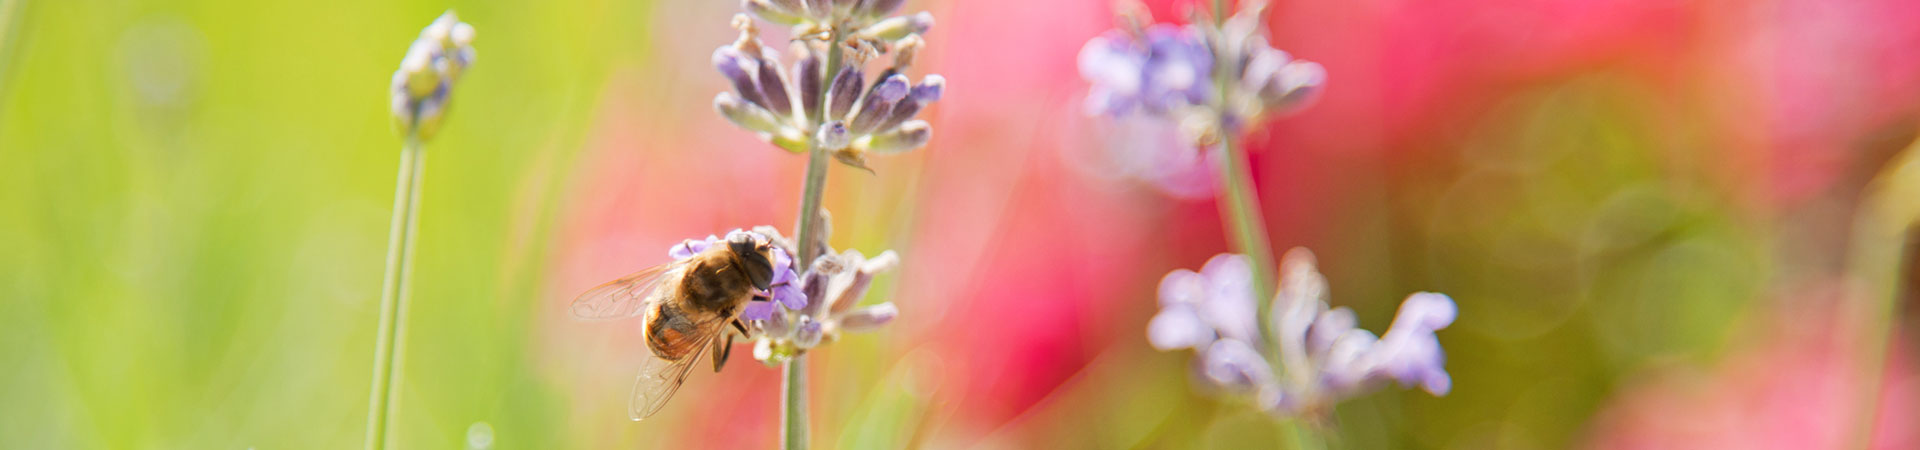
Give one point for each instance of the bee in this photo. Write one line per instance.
(688, 306)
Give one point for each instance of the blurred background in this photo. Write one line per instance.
(1641, 207)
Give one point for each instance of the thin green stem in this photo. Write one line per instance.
(393, 293)
(1220, 10)
(1876, 263)
(1241, 210)
(793, 387)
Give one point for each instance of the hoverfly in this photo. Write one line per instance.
(687, 305)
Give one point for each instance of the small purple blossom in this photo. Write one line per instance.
(1165, 69)
(1197, 308)
(835, 283)
(1321, 356)
(783, 291)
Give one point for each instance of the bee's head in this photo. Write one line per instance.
(756, 257)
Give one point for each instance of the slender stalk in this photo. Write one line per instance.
(1876, 263)
(793, 387)
(393, 293)
(1241, 209)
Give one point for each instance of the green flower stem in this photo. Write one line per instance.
(394, 290)
(1241, 210)
(793, 387)
(1875, 266)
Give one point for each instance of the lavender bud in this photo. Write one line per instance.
(772, 11)
(834, 136)
(902, 111)
(818, 276)
(1327, 328)
(879, 102)
(777, 326)
(421, 86)
(1343, 369)
(774, 87)
(1236, 365)
(930, 89)
(808, 333)
(1300, 85)
(417, 76)
(1178, 327)
(846, 88)
(894, 28)
(905, 51)
(807, 74)
(739, 70)
(869, 318)
(909, 136)
(746, 115)
(1262, 73)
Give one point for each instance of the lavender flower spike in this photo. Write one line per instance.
(834, 284)
(422, 85)
(1323, 358)
(855, 116)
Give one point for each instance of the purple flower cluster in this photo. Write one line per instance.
(1157, 72)
(1174, 72)
(844, 112)
(784, 291)
(836, 281)
(422, 84)
(1315, 355)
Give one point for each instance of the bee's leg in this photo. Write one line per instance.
(740, 326)
(722, 347)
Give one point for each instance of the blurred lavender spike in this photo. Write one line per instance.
(1324, 357)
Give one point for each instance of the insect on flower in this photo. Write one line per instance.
(691, 306)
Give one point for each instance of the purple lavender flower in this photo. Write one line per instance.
(836, 282)
(422, 84)
(784, 290)
(1158, 72)
(1204, 80)
(846, 112)
(1320, 356)
(1196, 308)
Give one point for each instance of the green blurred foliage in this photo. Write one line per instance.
(193, 206)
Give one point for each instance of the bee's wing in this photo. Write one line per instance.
(625, 297)
(660, 378)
